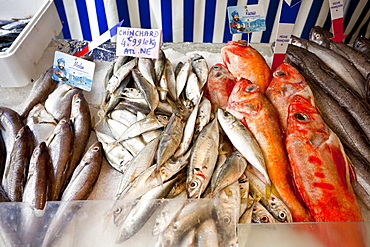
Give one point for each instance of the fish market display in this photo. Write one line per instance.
(9, 31)
(198, 147)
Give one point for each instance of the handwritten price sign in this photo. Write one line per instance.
(137, 42)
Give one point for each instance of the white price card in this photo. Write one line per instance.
(72, 70)
(138, 42)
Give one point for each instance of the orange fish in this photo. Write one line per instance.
(320, 169)
(287, 82)
(219, 85)
(260, 117)
(243, 61)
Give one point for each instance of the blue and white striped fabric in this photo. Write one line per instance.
(200, 20)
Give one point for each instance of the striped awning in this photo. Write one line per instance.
(200, 20)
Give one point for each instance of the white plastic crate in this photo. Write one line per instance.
(18, 63)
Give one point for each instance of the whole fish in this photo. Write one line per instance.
(244, 61)
(193, 89)
(244, 141)
(229, 173)
(85, 174)
(261, 215)
(81, 123)
(310, 65)
(357, 58)
(182, 78)
(261, 118)
(147, 89)
(362, 44)
(159, 65)
(169, 73)
(319, 165)
(163, 87)
(59, 102)
(60, 148)
(38, 185)
(41, 88)
(142, 211)
(219, 85)
(200, 68)
(287, 82)
(15, 174)
(41, 122)
(203, 159)
(191, 215)
(172, 134)
(337, 63)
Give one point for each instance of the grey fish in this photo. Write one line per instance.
(310, 65)
(337, 63)
(362, 44)
(81, 123)
(146, 67)
(169, 73)
(359, 60)
(15, 174)
(116, 79)
(41, 88)
(200, 68)
(159, 64)
(60, 147)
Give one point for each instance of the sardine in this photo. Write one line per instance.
(203, 159)
(15, 174)
(60, 147)
(41, 88)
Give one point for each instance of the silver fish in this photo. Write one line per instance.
(206, 234)
(204, 115)
(115, 80)
(261, 215)
(146, 67)
(142, 211)
(200, 68)
(182, 78)
(171, 80)
(159, 64)
(243, 141)
(123, 116)
(203, 159)
(192, 88)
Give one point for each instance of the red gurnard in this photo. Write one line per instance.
(219, 85)
(260, 117)
(320, 169)
(287, 82)
(243, 61)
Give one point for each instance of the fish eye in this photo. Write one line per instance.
(78, 101)
(282, 215)
(280, 73)
(96, 149)
(317, 36)
(193, 184)
(264, 219)
(301, 117)
(227, 220)
(251, 88)
(118, 210)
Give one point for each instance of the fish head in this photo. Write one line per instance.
(304, 121)
(279, 210)
(261, 215)
(320, 36)
(294, 40)
(245, 97)
(195, 186)
(163, 119)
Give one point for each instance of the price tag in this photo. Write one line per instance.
(246, 19)
(336, 12)
(73, 70)
(138, 42)
(288, 16)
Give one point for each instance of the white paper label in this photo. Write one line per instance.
(138, 42)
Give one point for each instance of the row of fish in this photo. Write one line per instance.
(10, 30)
(45, 154)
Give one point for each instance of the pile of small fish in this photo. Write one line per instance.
(43, 156)
(10, 30)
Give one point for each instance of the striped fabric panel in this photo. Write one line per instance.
(200, 20)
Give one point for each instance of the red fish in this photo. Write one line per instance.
(320, 169)
(219, 85)
(261, 118)
(287, 82)
(243, 61)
